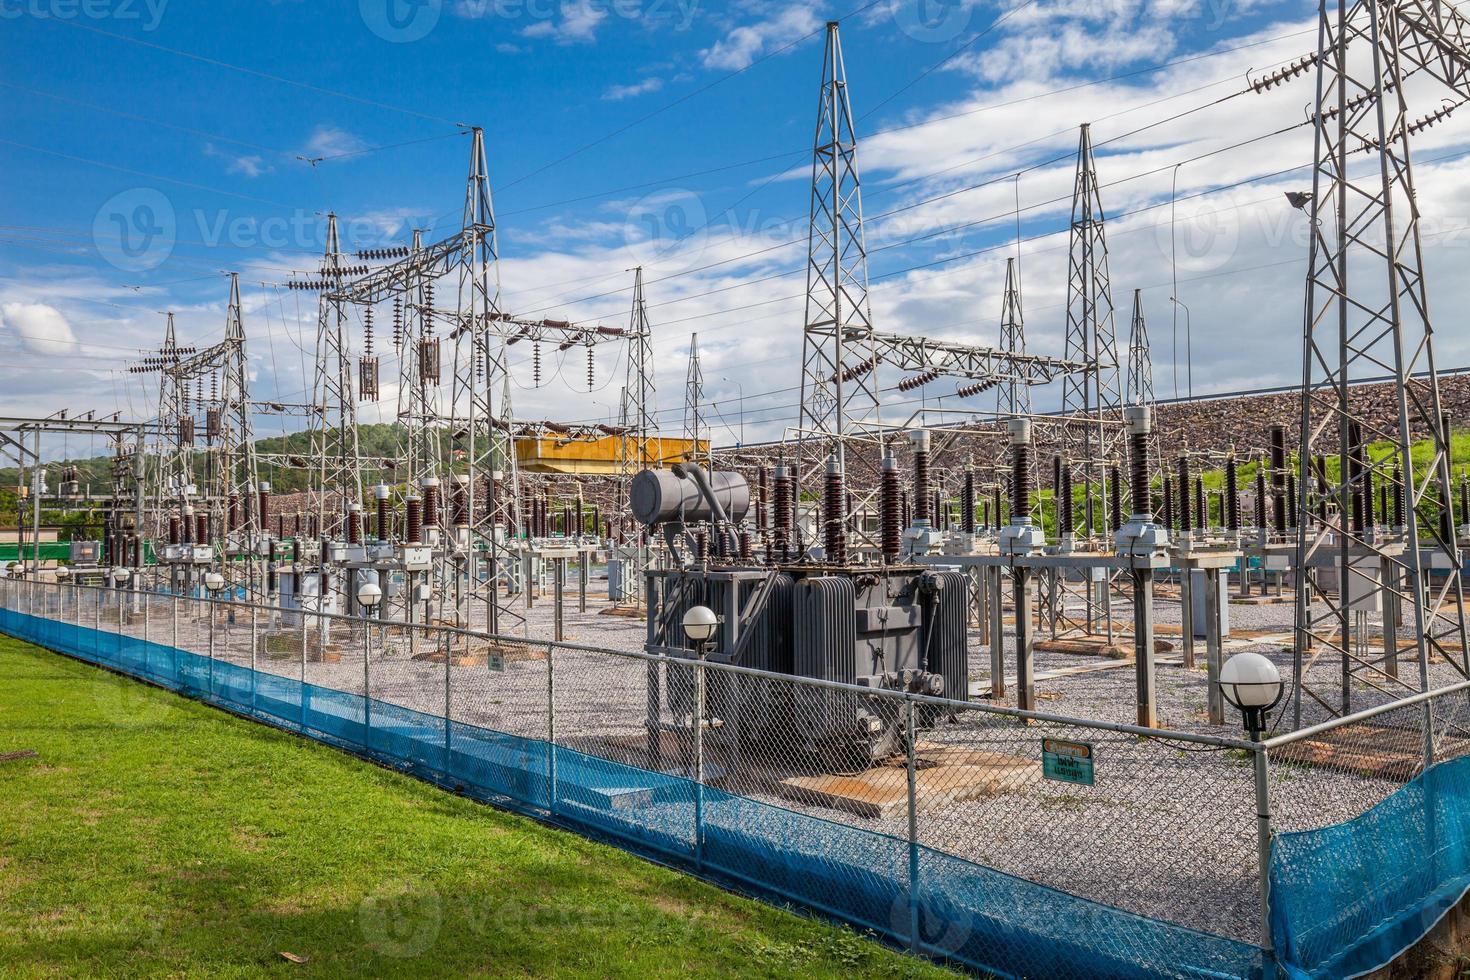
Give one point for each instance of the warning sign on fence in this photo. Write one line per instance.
(1067, 762)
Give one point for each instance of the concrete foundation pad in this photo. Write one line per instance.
(947, 774)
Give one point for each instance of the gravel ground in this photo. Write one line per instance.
(1168, 829)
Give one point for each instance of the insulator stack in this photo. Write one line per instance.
(940, 518)
(1021, 486)
(918, 380)
(397, 324)
(175, 533)
(354, 523)
(201, 528)
(747, 555)
(135, 546)
(385, 518)
(314, 526)
(1355, 474)
(1138, 472)
(784, 517)
(1278, 476)
(1115, 499)
(834, 537)
(975, 387)
(427, 310)
(967, 502)
(1262, 521)
(591, 368)
(536, 363)
(1183, 483)
(763, 499)
(280, 527)
(858, 370)
(1232, 494)
(701, 546)
(188, 525)
(920, 441)
(995, 504)
(296, 550)
(890, 529)
(264, 496)
(233, 512)
(459, 501)
(1168, 495)
(596, 520)
(1201, 504)
(414, 518)
(1066, 518)
(1291, 500)
(581, 518)
(1464, 498)
(296, 525)
(429, 486)
(1319, 469)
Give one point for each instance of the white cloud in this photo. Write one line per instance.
(247, 165)
(617, 93)
(578, 23)
(330, 141)
(741, 46)
(42, 329)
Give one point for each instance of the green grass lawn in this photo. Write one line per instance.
(153, 835)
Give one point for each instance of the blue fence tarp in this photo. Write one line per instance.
(1348, 898)
(984, 919)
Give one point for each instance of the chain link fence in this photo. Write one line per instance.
(1006, 841)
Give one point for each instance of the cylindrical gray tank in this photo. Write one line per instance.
(658, 496)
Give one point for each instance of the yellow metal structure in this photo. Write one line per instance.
(599, 457)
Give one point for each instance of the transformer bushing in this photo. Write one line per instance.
(889, 518)
(1020, 536)
(381, 494)
(1140, 537)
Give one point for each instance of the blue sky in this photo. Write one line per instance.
(668, 133)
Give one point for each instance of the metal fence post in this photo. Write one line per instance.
(699, 698)
(367, 688)
(254, 675)
(911, 730)
(551, 727)
(301, 694)
(174, 600)
(209, 615)
(1263, 849)
(448, 695)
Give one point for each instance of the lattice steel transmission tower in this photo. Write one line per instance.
(479, 432)
(1139, 387)
(1367, 313)
(334, 444)
(1014, 396)
(839, 364)
(638, 392)
(1091, 399)
(694, 425)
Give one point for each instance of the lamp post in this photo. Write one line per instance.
(368, 597)
(120, 578)
(1252, 684)
(700, 624)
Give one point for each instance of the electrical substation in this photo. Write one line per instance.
(902, 602)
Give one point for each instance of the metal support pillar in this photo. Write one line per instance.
(1143, 646)
(1025, 638)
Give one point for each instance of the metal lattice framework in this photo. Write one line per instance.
(1139, 386)
(839, 377)
(1013, 397)
(334, 448)
(695, 427)
(1091, 398)
(1367, 314)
